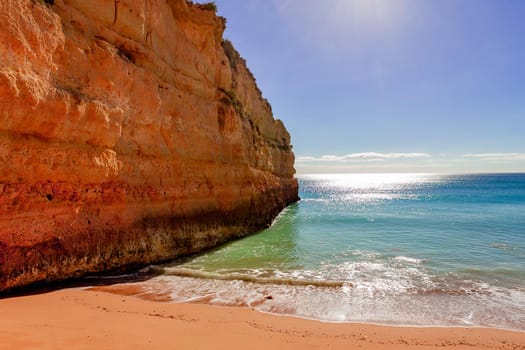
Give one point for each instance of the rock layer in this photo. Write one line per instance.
(130, 133)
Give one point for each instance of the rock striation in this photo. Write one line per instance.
(130, 133)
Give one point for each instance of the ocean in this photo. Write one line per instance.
(395, 249)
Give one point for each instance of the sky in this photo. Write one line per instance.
(431, 86)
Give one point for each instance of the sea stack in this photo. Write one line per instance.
(131, 133)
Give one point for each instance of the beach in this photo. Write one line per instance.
(80, 318)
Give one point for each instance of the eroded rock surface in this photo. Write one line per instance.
(130, 133)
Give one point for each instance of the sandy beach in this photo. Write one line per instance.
(91, 319)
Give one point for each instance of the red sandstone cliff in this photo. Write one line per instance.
(130, 133)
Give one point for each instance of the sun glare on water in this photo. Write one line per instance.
(370, 181)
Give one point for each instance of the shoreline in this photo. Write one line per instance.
(139, 293)
(393, 325)
(305, 304)
(80, 318)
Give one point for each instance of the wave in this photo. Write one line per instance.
(408, 260)
(378, 279)
(282, 214)
(184, 272)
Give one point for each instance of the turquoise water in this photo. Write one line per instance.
(406, 249)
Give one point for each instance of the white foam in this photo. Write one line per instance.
(379, 300)
(408, 259)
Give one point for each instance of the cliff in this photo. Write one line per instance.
(130, 133)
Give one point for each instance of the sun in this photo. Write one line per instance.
(344, 22)
(367, 15)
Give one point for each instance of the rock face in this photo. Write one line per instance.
(130, 133)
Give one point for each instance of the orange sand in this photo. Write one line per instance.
(83, 319)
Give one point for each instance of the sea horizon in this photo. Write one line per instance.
(416, 173)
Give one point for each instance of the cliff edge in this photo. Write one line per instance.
(130, 133)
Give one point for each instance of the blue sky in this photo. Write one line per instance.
(390, 85)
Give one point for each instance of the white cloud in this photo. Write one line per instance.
(362, 156)
(304, 158)
(496, 156)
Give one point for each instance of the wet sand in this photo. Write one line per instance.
(92, 319)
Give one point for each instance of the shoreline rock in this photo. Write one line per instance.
(130, 133)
